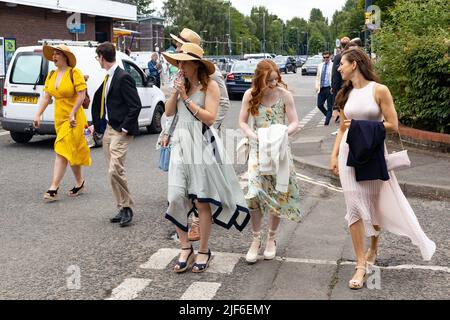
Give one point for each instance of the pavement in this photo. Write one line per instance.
(428, 175)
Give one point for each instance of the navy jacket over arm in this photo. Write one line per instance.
(366, 143)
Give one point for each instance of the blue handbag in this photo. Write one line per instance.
(164, 158)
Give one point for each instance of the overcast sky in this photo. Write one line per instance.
(285, 9)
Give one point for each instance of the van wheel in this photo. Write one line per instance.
(21, 137)
(155, 126)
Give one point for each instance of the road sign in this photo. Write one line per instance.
(81, 28)
(338, 43)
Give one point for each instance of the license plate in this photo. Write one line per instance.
(23, 99)
(311, 70)
(248, 79)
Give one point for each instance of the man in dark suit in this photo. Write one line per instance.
(115, 109)
(336, 78)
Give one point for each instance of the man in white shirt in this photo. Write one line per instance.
(323, 87)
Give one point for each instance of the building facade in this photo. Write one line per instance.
(30, 21)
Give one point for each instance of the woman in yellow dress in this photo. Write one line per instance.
(68, 88)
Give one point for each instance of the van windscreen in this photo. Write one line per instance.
(27, 69)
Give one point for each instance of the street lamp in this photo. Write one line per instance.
(307, 44)
(264, 31)
(229, 29)
(202, 32)
(298, 53)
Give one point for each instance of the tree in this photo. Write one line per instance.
(316, 15)
(142, 6)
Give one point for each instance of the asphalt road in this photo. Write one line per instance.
(70, 250)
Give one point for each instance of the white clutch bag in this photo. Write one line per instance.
(397, 160)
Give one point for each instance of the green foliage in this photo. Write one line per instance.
(142, 5)
(414, 51)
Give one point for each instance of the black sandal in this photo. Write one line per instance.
(76, 191)
(202, 267)
(51, 195)
(184, 265)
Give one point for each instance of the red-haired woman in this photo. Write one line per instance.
(267, 103)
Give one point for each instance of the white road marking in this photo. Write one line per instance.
(307, 118)
(223, 262)
(4, 133)
(201, 291)
(319, 183)
(161, 259)
(309, 261)
(129, 289)
(406, 267)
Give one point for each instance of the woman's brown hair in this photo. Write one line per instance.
(263, 70)
(203, 77)
(365, 66)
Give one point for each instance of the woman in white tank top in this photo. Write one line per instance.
(372, 204)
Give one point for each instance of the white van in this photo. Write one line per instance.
(257, 56)
(24, 83)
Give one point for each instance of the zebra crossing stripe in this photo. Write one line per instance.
(161, 259)
(223, 262)
(129, 289)
(201, 291)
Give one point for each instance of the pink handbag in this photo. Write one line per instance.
(397, 160)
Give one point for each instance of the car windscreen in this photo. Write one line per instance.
(27, 69)
(313, 62)
(244, 68)
(279, 60)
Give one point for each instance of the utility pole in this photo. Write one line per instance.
(368, 3)
(264, 33)
(229, 30)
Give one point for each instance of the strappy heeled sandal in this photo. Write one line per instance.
(182, 266)
(202, 267)
(75, 191)
(358, 284)
(51, 195)
(371, 262)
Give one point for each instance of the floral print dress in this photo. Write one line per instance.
(262, 194)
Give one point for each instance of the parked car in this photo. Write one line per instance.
(258, 56)
(286, 64)
(240, 77)
(24, 83)
(311, 64)
(300, 60)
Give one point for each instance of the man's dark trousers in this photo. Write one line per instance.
(325, 95)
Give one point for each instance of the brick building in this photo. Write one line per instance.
(150, 33)
(29, 21)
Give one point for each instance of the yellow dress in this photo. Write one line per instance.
(70, 142)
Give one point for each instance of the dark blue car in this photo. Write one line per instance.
(240, 77)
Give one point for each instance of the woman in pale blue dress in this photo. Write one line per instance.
(200, 177)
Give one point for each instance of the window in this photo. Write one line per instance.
(27, 69)
(134, 72)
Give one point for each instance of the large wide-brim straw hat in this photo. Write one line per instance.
(189, 52)
(187, 35)
(48, 53)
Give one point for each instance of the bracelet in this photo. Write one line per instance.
(198, 109)
(187, 101)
